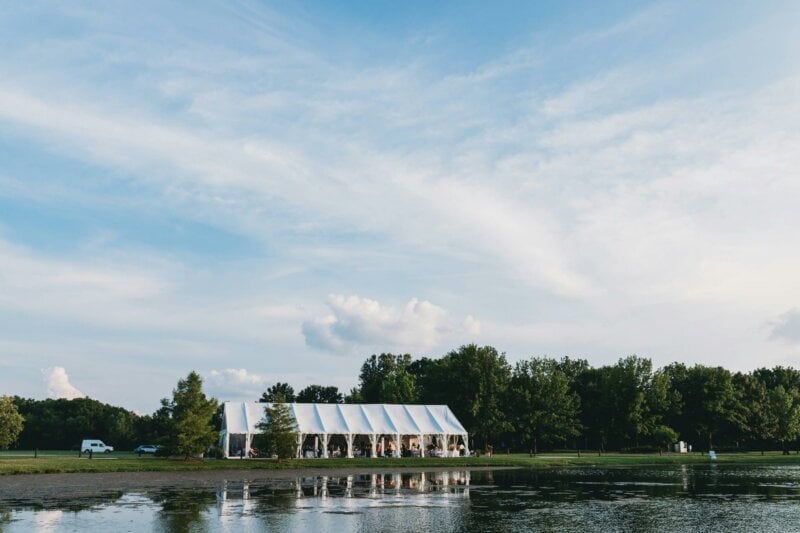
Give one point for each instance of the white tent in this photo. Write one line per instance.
(425, 427)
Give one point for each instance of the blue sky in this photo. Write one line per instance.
(268, 193)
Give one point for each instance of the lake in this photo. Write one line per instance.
(708, 497)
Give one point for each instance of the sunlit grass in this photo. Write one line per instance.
(23, 462)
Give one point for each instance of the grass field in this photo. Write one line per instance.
(23, 462)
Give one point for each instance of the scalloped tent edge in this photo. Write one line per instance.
(432, 427)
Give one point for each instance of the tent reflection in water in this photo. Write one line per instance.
(352, 430)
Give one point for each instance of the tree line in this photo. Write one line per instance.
(534, 404)
(186, 424)
(551, 403)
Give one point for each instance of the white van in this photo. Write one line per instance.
(95, 446)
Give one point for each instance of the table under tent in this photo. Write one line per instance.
(352, 430)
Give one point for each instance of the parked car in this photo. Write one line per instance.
(95, 446)
(146, 448)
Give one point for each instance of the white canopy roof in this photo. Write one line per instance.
(342, 419)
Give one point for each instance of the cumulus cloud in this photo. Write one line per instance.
(58, 385)
(787, 327)
(355, 321)
(471, 326)
(236, 383)
(319, 333)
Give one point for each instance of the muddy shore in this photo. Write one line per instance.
(42, 489)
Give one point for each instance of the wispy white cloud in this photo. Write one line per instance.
(101, 292)
(643, 20)
(134, 292)
(556, 197)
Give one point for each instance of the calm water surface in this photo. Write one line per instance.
(669, 498)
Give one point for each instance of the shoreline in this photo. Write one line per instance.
(56, 463)
(47, 490)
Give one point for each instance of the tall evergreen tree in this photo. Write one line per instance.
(278, 429)
(191, 428)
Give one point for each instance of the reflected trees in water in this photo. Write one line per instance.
(183, 510)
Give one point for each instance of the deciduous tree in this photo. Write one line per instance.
(786, 406)
(664, 437)
(319, 394)
(761, 420)
(285, 390)
(477, 380)
(542, 406)
(11, 422)
(386, 378)
(709, 402)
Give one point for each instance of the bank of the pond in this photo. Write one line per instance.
(75, 485)
(66, 462)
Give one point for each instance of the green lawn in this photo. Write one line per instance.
(23, 462)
